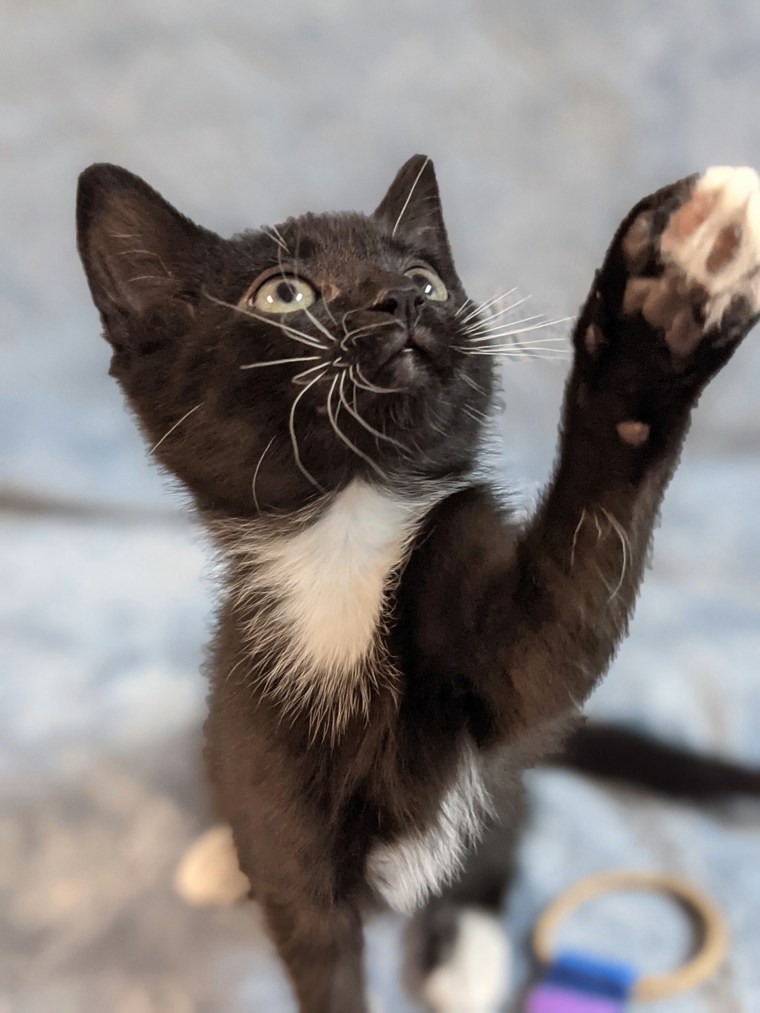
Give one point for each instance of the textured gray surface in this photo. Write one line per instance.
(546, 122)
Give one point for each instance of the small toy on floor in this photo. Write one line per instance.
(575, 982)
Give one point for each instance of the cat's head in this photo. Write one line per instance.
(285, 362)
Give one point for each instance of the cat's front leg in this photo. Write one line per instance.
(533, 619)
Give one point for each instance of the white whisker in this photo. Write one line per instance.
(280, 362)
(275, 237)
(342, 436)
(320, 326)
(575, 537)
(361, 421)
(491, 325)
(366, 385)
(256, 475)
(510, 352)
(155, 446)
(471, 383)
(488, 321)
(292, 430)
(367, 329)
(625, 546)
(297, 378)
(489, 302)
(291, 332)
(406, 202)
(508, 331)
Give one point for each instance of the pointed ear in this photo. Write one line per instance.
(140, 255)
(413, 204)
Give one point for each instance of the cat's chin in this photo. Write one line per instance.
(409, 369)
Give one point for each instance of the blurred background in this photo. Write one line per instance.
(547, 122)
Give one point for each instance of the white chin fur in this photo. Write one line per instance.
(476, 976)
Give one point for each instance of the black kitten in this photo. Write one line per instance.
(392, 648)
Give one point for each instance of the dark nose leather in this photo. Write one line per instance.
(403, 303)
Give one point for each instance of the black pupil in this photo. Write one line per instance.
(286, 292)
(424, 283)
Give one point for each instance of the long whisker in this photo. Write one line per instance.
(489, 302)
(256, 475)
(363, 422)
(155, 446)
(342, 436)
(512, 341)
(330, 337)
(471, 383)
(297, 378)
(320, 326)
(488, 321)
(510, 353)
(406, 202)
(292, 430)
(535, 344)
(305, 309)
(275, 237)
(366, 385)
(492, 323)
(474, 414)
(280, 362)
(291, 332)
(463, 307)
(507, 331)
(329, 312)
(367, 329)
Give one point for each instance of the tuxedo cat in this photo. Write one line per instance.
(393, 646)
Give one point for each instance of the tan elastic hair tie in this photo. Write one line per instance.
(708, 920)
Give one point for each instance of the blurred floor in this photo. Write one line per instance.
(546, 122)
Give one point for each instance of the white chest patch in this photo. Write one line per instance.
(333, 575)
(323, 590)
(406, 871)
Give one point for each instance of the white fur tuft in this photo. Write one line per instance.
(407, 870)
(317, 595)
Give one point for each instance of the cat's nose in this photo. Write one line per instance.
(403, 303)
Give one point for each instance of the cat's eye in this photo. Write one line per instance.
(428, 283)
(283, 295)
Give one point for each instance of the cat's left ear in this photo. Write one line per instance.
(412, 205)
(142, 258)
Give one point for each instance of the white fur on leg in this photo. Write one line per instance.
(476, 976)
(208, 874)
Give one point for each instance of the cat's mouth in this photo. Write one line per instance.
(407, 358)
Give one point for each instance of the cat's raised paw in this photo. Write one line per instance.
(693, 259)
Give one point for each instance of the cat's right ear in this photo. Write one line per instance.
(142, 258)
(412, 210)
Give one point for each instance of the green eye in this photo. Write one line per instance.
(283, 295)
(428, 283)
